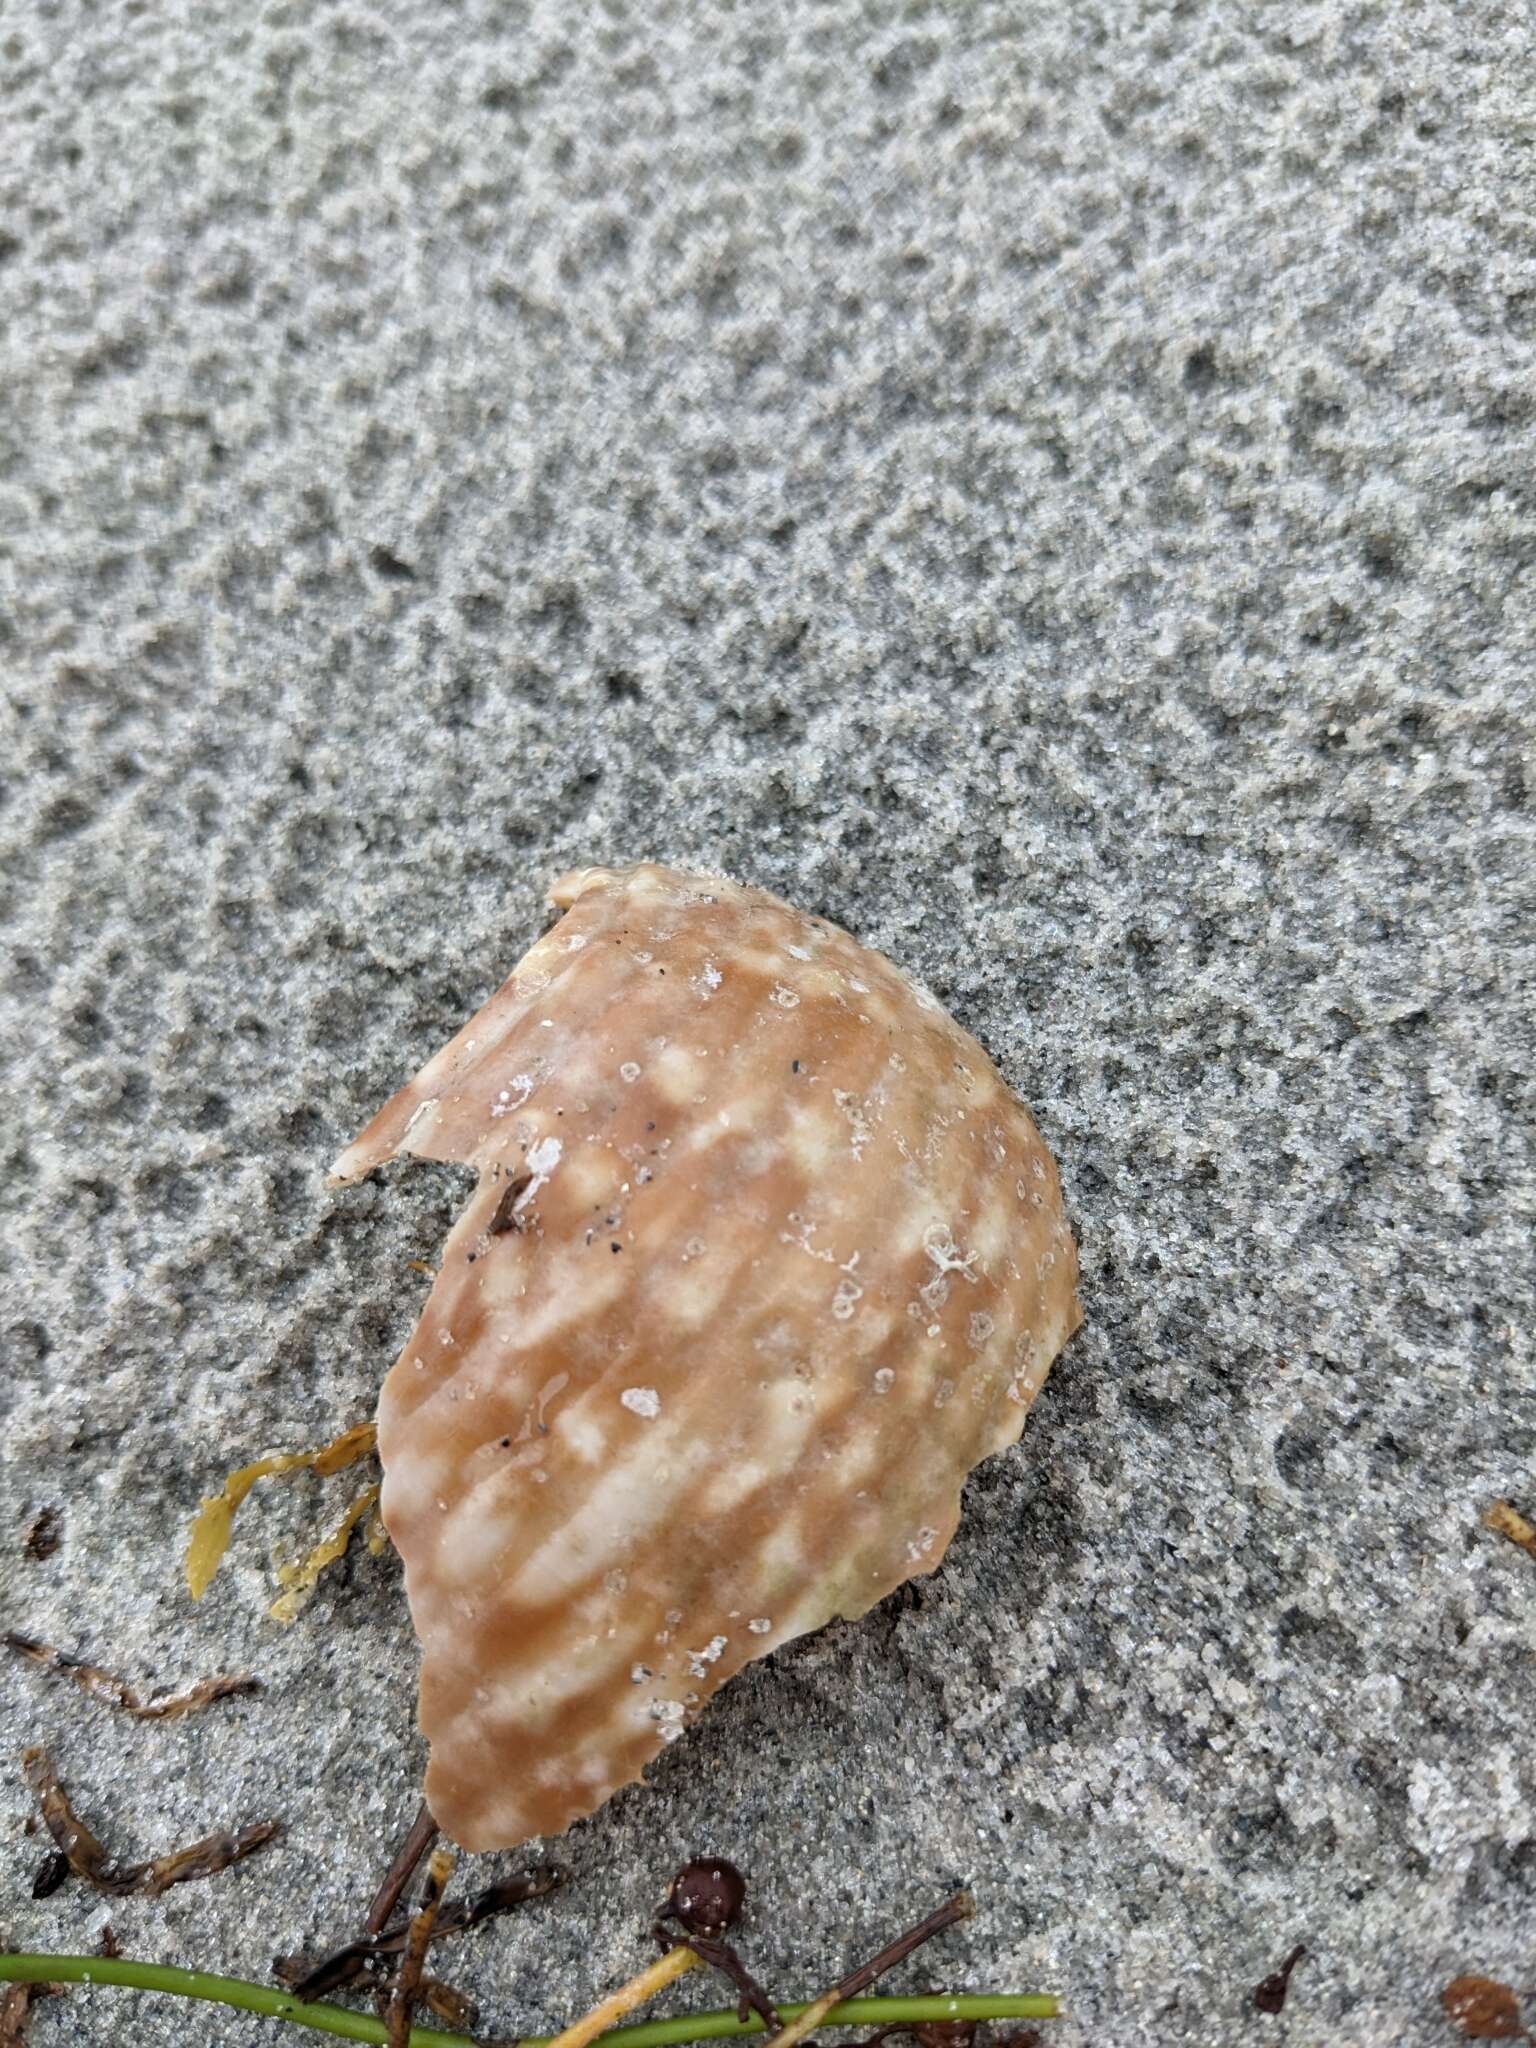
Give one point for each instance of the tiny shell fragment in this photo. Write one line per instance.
(763, 1258)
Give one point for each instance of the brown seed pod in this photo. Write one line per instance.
(764, 1257)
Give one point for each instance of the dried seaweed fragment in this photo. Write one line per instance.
(119, 1693)
(447, 2003)
(88, 1859)
(763, 1258)
(300, 1578)
(403, 2003)
(215, 1519)
(1507, 1520)
(16, 2003)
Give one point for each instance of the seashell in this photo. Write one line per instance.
(763, 1258)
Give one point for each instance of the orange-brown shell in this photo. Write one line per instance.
(763, 1258)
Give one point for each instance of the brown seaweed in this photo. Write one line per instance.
(107, 1685)
(89, 1860)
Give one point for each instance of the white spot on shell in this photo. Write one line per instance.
(506, 1101)
(939, 1244)
(700, 1660)
(629, 1071)
(641, 1401)
(784, 997)
(543, 1158)
(980, 1327)
(761, 1626)
(859, 1125)
(883, 1380)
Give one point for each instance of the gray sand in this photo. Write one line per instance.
(1046, 485)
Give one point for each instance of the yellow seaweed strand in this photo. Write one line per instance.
(215, 1519)
(300, 1577)
(655, 1977)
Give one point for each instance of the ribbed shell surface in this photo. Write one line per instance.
(764, 1256)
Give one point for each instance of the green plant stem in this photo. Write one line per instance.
(356, 2026)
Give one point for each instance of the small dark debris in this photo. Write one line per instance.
(615, 1247)
(1270, 1995)
(51, 1874)
(505, 1216)
(45, 1533)
(109, 1945)
(794, 1066)
(386, 563)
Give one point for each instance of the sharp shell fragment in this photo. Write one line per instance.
(763, 1258)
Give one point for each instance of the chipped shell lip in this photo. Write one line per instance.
(726, 1509)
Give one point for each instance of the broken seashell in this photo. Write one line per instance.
(764, 1257)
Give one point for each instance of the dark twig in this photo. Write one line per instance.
(423, 1833)
(346, 1964)
(960, 1907)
